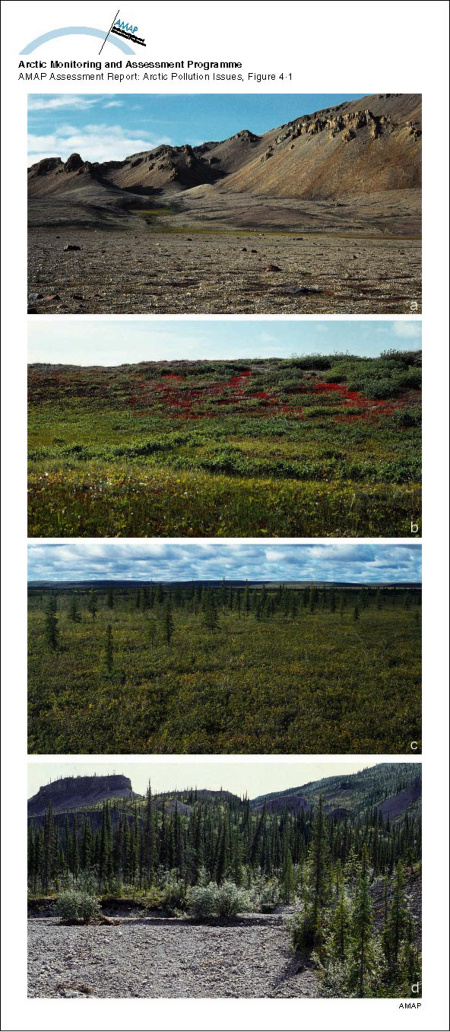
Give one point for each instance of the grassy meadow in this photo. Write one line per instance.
(230, 669)
(315, 446)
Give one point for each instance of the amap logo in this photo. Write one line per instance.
(118, 28)
(121, 28)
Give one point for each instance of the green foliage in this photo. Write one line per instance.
(226, 900)
(212, 855)
(270, 896)
(77, 905)
(202, 901)
(174, 900)
(314, 446)
(283, 671)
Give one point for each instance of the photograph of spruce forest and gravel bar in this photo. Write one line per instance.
(224, 429)
(152, 647)
(213, 880)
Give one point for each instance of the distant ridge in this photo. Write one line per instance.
(393, 788)
(104, 584)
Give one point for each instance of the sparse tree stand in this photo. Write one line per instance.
(109, 650)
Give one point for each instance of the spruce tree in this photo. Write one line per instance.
(92, 603)
(362, 950)
(396, 923)
(168, 624)
(288, 878)
(74, 612)
(340, 923)
(109, 650)
(51, 629)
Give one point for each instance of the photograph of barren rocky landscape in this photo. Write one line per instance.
(294, 442)
(182, 880)
(154, 647)
(321, 214)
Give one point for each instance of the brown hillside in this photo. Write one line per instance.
(361, 147)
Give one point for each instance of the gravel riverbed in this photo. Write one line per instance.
(165, 957)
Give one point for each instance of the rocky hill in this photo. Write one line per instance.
(79, 792)
(364, 147)
(392, 788)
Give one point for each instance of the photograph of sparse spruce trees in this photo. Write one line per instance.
(304, 892)
(224, 667)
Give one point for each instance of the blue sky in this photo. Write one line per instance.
(275, 774)
(112, 342)
(159, 560)
(102, 127)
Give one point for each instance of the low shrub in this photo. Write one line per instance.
(269, 897)
(77, 905)
(202, 901)
(231, 900)
(226, 900)
(175, 897)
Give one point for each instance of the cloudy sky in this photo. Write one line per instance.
(102, 127)
(237, 775)
(159, 560)
(109, 342)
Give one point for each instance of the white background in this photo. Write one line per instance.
(330, 48)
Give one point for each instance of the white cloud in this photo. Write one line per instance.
(159, 560)
(96, 142)
(65, 100)
(411, 330)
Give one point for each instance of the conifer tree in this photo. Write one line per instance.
(362, 952)
(51, 629)
(110, 598)
(396, 923)
(92, 603)
(74, 612)
(340, 925)
(168, 624)
(288, 878)
(109, 650)
(319, 868)
(210, 615)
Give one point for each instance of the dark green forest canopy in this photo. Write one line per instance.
(379, 808)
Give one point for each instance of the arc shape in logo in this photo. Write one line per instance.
(75, 30)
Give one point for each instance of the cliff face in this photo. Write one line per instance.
(71, 793)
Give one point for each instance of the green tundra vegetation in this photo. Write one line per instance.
(351, 877)
(224, 668)
(300, 447)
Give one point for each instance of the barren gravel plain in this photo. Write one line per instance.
(243, 272)
(166, 957)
